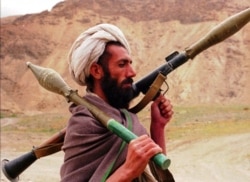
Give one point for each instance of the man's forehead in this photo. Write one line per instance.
(118, 52)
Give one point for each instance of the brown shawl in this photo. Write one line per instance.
(89, 147)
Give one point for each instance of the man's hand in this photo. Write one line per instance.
(140, 151)
(161, 113)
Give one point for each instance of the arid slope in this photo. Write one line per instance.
(219, 75)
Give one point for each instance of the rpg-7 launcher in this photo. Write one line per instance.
(219, 33)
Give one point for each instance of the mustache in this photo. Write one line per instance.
(127, 81)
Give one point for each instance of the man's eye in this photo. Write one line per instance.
(122, 65)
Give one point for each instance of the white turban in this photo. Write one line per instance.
(89, 46)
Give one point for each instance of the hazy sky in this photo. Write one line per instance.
(19, 7)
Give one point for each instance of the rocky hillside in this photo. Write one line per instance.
(219, 75)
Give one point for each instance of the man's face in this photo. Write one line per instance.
(117, 80)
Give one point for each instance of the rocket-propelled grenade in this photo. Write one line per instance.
(219, 33)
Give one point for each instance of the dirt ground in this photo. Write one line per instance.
(220, 159)
(216, 159)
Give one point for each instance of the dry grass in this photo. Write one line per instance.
(199, 122)
(189, 123)
(41, 123)
(24, 132)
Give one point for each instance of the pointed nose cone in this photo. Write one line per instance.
(36, 70)
(50, 79)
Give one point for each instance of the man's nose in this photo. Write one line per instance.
(131, 72)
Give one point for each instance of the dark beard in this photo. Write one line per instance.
(117, 96)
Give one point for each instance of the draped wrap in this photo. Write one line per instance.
(90, 148)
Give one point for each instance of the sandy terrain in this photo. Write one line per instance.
(218, 159)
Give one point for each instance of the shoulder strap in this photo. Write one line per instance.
(129, 120)
(151, 93)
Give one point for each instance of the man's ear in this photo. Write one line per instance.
(96, 71)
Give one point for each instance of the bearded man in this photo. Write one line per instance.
(100, 59)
